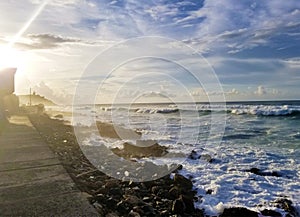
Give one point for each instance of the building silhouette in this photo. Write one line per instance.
(8, 101)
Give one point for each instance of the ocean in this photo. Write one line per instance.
(253, 147)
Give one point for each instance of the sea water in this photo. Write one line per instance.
(262, 135)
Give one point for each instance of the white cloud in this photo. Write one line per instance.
(293, 62)
(198, 92)
(58, 96)
(252, 24)
(223, 21)
(232, 92)
(261, 90)
(160, 94)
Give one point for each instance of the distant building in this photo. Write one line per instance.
(9, 103)
(7, 81)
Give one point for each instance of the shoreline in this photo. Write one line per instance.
(163, 197)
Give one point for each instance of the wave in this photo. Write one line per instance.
(267, 111)
(238, 109)
(157, 110)
(110, 109)
(257, 110)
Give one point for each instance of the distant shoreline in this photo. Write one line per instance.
(35, 99)
(250, 102)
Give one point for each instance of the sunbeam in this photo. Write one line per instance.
(27, 24)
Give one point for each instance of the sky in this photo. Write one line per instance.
(104, 51)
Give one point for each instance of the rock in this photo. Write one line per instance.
(178, 206)
(99, 208)
(188, 202)
(176, 168)
(206, 157)
(155, 189)
(272, 213)
(238, 212)
(194, 155)
(209, 191)
(254, 170)
(147, 199)
(198, 213)
(59, 116)
(139, 210)
(164, 213)
(180, 167)
(183, 182)
(116, 192)
(111, 202)
(287, 206)
(262, 173)
(133, 200)
(123, 207)
(133, 151)
(116, 132)
(100, 197)
(103, 191)
(112, 183)
(275, 173)
(174, 193)
(134, 214)
(162, 193)
(112, 214)
(148, 210)
(156, 198)
(158, 203)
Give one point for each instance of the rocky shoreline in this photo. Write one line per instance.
(167, 196)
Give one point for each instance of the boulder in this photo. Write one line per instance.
(263, 173)
(238, 212)
(133, 200)
(178, 206)
(188, 202)
(134, 214)
(116, 132)
(133, 151)
(183, 182)
(59, 116)
(174, 192)
(206, 157)
(287, 206)
(194, 155)
(272, 213)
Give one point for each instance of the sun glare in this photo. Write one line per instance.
(9, 57)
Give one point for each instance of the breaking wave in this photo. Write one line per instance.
(206, 109)
(284, 110)
(157, 110)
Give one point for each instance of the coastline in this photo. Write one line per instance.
(163, 197)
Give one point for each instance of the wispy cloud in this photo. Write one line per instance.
(46, 41)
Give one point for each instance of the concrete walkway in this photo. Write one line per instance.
(32, 180)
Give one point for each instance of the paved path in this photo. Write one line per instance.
(32, 180)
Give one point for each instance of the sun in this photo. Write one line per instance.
(9, 57)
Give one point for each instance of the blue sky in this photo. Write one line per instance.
(252, 46)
